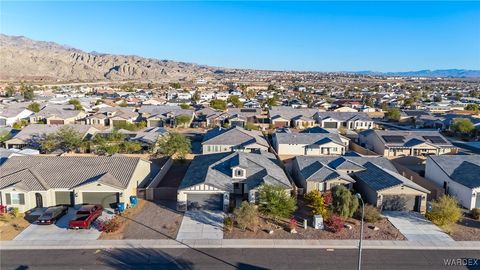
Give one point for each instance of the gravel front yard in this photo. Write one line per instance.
(386, 230)
(152, 221)
(12, 226)
(467, 229)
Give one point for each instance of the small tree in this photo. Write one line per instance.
(174, 144)
(472, 107)
(76, 104)
(246, 216)
(184, 106)
(10, 91)
(276, 202)
(218, 104)
(27, 91)
(462, 125)
(393, 114)
(49, 143)
(183, 120)
(235, 101)
(131, 147)
(69, 139)
(251, 126)
(344, 202)
(34, 107)
(317, 203)
(445, 211)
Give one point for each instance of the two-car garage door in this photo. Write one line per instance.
(401, 202)
(106, 199)
(205, 201)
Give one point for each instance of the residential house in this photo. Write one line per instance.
(163, 116)
(393, 143)
(459, 175)
(283, 116)
(224, 180)
(29, 182)
(57, 115)
(8, 153)
(309, 144)
(346, 120)
(13, 112)
(30, 135)
(113, 116)
(374, 177)
(219, 140)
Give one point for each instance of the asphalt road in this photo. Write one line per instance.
(234, 259)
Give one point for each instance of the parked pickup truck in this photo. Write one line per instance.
(85, 216)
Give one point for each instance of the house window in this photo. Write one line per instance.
(15, 198)
(239, 173)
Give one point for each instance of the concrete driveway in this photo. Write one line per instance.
(201, 224)
(59, 230)
(415, 227)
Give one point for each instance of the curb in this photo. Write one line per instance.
(239, 243)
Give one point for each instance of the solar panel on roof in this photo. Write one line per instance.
(248, 110)
(393, 139)
(434, 139)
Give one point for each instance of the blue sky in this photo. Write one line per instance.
(317, 36)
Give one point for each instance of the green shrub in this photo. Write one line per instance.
(344, 202)
(371, 213)
(246, 216)
(445, 211)
(228, 224)
(276, 202)
(14, 211)
(475, 213)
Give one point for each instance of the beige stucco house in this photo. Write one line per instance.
(393, 143)
(28, 182)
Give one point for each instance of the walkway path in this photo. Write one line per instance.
(415, 227)
(201, 224)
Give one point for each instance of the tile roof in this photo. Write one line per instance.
(61, 111)
(344, 116)
(233, 136)
(38, 130)
(44, 172)
(216, 170)
(289, 113)
(307, 138)
(463, 169)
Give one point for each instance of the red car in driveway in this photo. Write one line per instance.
(85, 216)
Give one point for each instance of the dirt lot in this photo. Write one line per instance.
(148, 221)
(11, 226)
(386, 230)
(466, 229)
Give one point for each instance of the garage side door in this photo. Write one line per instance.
(106, 199)
(398, 203)
(477, 203)
(205, 201)
(64, 197)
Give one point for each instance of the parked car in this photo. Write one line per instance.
(52, 214)
(85, 216)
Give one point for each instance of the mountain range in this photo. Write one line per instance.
(451, 73)
(22, 58)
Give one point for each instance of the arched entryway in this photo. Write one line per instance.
(38, 200)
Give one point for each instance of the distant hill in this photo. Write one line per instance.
(452, 73)
(22, 58)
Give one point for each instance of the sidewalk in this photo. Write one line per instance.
(240, 243)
